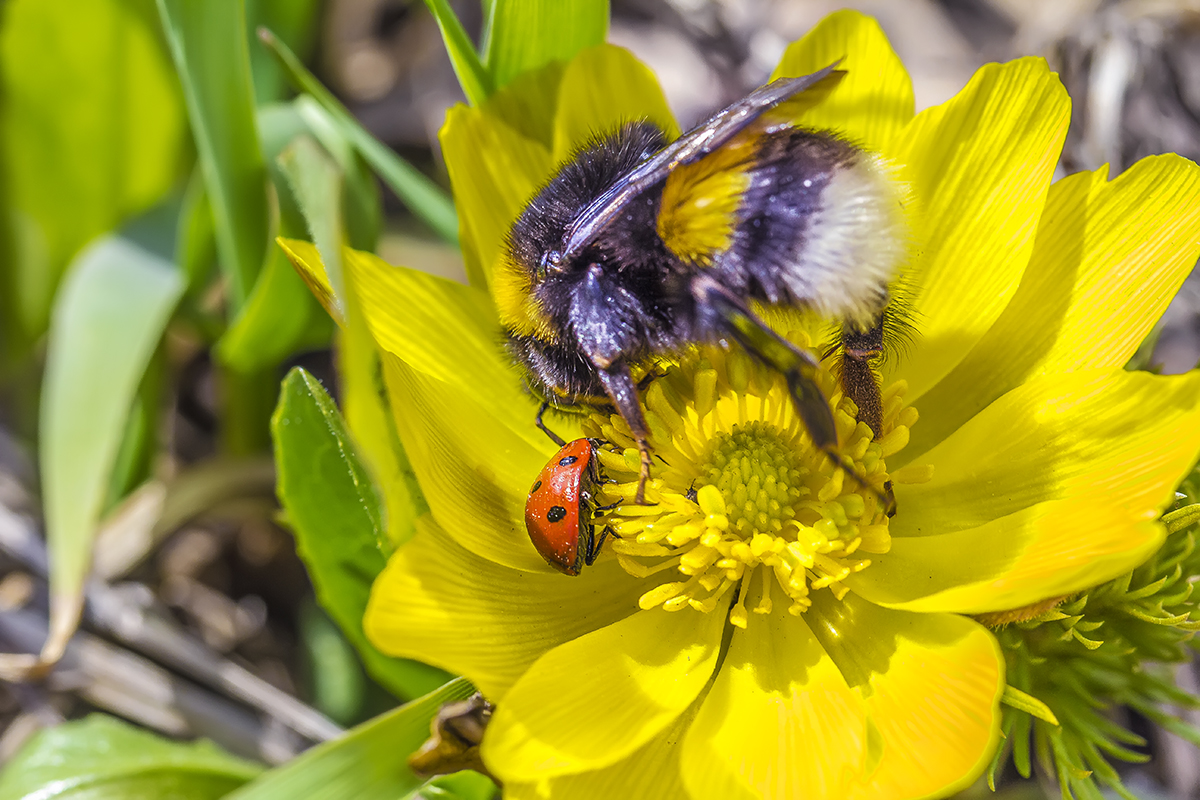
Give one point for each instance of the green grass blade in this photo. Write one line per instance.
(474, 78)
(208, 41)
(101, 758)
(428, 201)
(93, 133)
(337, 518)
(296, 23)
(195, 242)
(526, 34)
(108, 318)
(362, 206)
(281, 314)
(368, 763)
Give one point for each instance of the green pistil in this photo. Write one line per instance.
(758, 476)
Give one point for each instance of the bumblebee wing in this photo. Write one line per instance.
(695, 144)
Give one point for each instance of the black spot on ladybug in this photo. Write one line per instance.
(568, 461)
(556, 513)
(536, 486)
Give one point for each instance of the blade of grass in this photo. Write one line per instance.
(362, 207)
(108, 318)
(473, 77)
(280, 314)
(428, 201)
(365, 764)
(195, 242)
(208, 42)
(526, 34)
(296, 23)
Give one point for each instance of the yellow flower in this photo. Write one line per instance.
(778, 636)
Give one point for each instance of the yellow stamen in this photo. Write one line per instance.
(739, 488)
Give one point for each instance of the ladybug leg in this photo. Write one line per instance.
(594, 544)
(554, 437)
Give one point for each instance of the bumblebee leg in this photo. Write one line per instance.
(796, 365)
(859, 349)
(618, 383)
(554, 437)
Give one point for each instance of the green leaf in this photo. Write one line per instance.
(316, 183)
(338, 683)
(526, 34)
(463, 785)
(365, 764)
(101, 758)
(424, 198)
(337, 519)
(208, 41)
(94, 132)
(278, 318)
(1022, 701)
(108, 318)
(295, 22)
(281, 316)
(1180, 518)
(362, 212)
(195, 236)
(475, 80)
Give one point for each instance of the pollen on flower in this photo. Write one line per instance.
(740, 495)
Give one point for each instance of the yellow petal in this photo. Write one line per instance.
(474, 468)
(932, 686)
(307, 262)
(1107, 260)
(980, 166)
(652, 771)
(494, 171)
(779, 721)
(602, 88)
(444, 330)
(529, 104)
(595, 700)
(1131, 436)
(444, 605)
(874, 100)
(1048, 550)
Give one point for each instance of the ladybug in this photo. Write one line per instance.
(558, 513)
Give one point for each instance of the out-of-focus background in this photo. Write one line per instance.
(202, 620)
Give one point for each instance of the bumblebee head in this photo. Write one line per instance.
(534, 276)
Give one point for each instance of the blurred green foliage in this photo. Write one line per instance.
(150, 151)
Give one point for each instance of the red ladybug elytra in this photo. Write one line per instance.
(558, 512)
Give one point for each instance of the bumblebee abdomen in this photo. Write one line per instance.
(792, 217)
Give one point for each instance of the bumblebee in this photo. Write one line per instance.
(639, 247)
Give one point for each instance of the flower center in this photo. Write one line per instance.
(739, 490)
